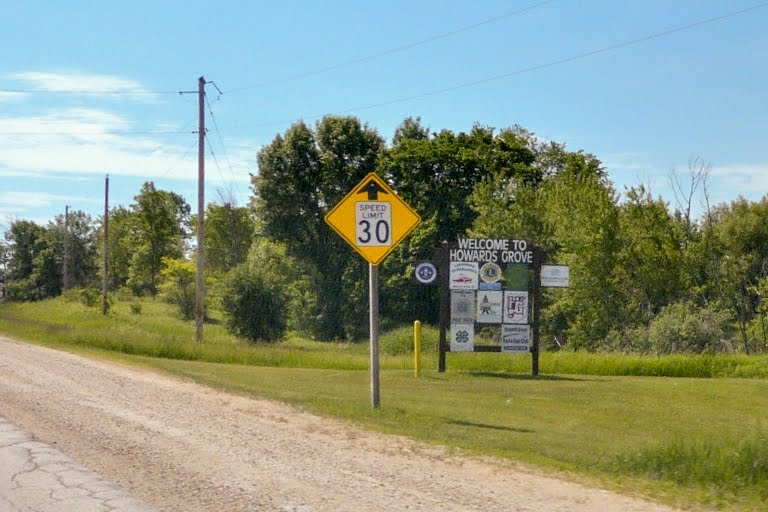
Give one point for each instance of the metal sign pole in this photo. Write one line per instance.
(441, 258)
(538, 256)
(373, 300)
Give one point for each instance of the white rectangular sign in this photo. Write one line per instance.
(462, 306)
(515, 308)
(555, 276)
(515, 338)
(373, 224)
(462, 337)
(489, 306)
(463, 275)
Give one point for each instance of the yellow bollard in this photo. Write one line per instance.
(416, 348)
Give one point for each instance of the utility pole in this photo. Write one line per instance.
(200, 287)
(65, 269)
(105, 276)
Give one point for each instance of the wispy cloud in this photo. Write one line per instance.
(629, 169)
(15, 205)
(85, 83)
(8, 96)
(48, 141)
(13, 200)
(725, 183)
(626, 162)
(748, 180)
(748, 175)
(75, 121)
(85, 141)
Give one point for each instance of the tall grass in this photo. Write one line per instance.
(156, 332)
(738, 467)
(677, 365)
(151, 329)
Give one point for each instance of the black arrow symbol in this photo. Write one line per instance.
(373, 190)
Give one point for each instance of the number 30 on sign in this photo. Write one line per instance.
(374, 223)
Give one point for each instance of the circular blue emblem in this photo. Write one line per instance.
(426, 273)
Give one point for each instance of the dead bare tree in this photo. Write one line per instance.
(686, 188)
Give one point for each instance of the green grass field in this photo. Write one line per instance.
(687, 430)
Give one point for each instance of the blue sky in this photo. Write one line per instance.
(645, 85)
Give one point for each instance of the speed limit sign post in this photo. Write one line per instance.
(373, 220)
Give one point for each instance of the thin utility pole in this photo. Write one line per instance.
(105, 276)
(200, 288)
(65, 269)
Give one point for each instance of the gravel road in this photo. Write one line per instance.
(179, 446)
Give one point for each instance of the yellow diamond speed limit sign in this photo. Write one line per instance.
(372, 219)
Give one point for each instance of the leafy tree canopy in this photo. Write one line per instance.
(302, 174)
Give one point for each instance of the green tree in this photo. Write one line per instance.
(436, 174)
(650, 259)
(25, 241)
(273, 263)
(410, 129)
(160, 221)
(254, 306)
(36, 255)
(733, 257)
(570, 210)
(228, 236)
(302, 174)
(47, 277)
(177, 285)
(509, 208)
(81, 239)
(581, 210)
(759, 326)
(5, 254)
(120, 245)
(32, 272)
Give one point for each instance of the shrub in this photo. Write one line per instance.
(399, 341)
(633, 340)
(123, 294)
(296, 280)
(24, 290)
(178, 286)
(88, 297)
(254, 307)
(71, 296)
(683, 327)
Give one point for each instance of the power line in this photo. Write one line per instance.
(210, 146)
(101, 133)
(215, 160)
(390, 51)
(208, 141)
(104, 92)
(537, 67)
(221, 141)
